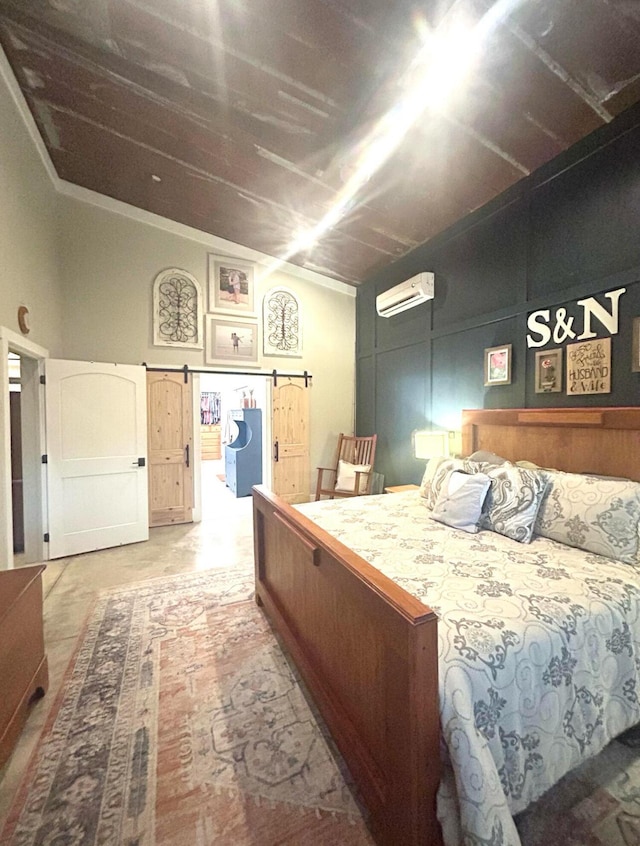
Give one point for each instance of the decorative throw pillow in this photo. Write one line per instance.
(459, 504)
(427, 479)
(512, 504)
(435, 476)
(595, 514)
(347, 476)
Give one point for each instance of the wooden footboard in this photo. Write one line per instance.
(368, 653)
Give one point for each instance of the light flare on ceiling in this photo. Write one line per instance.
(441, 66)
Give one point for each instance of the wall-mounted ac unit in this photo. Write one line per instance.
(406, 295)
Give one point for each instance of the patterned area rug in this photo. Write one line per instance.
(181, 722)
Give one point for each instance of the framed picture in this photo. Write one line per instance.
(231, 285)
(635, 359)
(497, 365)
(549, 371)
(231, 341)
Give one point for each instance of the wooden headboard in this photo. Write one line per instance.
(605, 441)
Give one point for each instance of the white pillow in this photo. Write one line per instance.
(347, 476)
(461, 498)
(438, 469)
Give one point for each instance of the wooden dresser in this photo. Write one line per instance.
(210, 440)
(24, 673)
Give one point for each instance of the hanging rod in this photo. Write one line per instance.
(273, 374)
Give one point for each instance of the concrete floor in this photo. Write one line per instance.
(224, 538)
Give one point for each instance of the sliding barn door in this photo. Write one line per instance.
(96, 425)
(170, 411)
(290, 436)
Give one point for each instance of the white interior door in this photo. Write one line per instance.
(96, 423)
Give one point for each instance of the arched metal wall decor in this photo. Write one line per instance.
(177, 310)
(281, 323)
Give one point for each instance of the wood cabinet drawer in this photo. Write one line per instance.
(210, 441)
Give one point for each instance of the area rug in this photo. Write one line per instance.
(180, 721)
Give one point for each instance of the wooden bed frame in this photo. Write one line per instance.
(368, 650)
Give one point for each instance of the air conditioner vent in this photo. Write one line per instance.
(406, 295)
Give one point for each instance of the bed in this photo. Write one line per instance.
(368, 647)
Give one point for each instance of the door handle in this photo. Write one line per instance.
(186, 450)
(141, 462)
(276, 451)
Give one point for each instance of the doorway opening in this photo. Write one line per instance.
(17, 500)
(28, 469)
(222, 401)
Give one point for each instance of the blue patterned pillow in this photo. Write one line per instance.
(513, 501)
(595, 514)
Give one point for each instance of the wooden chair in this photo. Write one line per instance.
(352, 451)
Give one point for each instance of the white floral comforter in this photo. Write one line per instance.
(539, 651)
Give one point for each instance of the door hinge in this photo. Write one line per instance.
(45, 459)
(46, 537)
(43, 379)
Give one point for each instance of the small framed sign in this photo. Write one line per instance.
(589, 367)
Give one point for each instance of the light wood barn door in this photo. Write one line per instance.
(170, 444)
(290, 448)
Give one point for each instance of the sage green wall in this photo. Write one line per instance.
(108, 263)
(28, 256)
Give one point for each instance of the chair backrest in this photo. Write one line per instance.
(357, 450)
(353, 450)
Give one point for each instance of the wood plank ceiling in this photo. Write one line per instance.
(249, 119)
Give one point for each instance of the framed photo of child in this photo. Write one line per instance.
(231, 285)
(232, 341)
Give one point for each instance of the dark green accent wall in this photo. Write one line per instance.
(569, 231)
